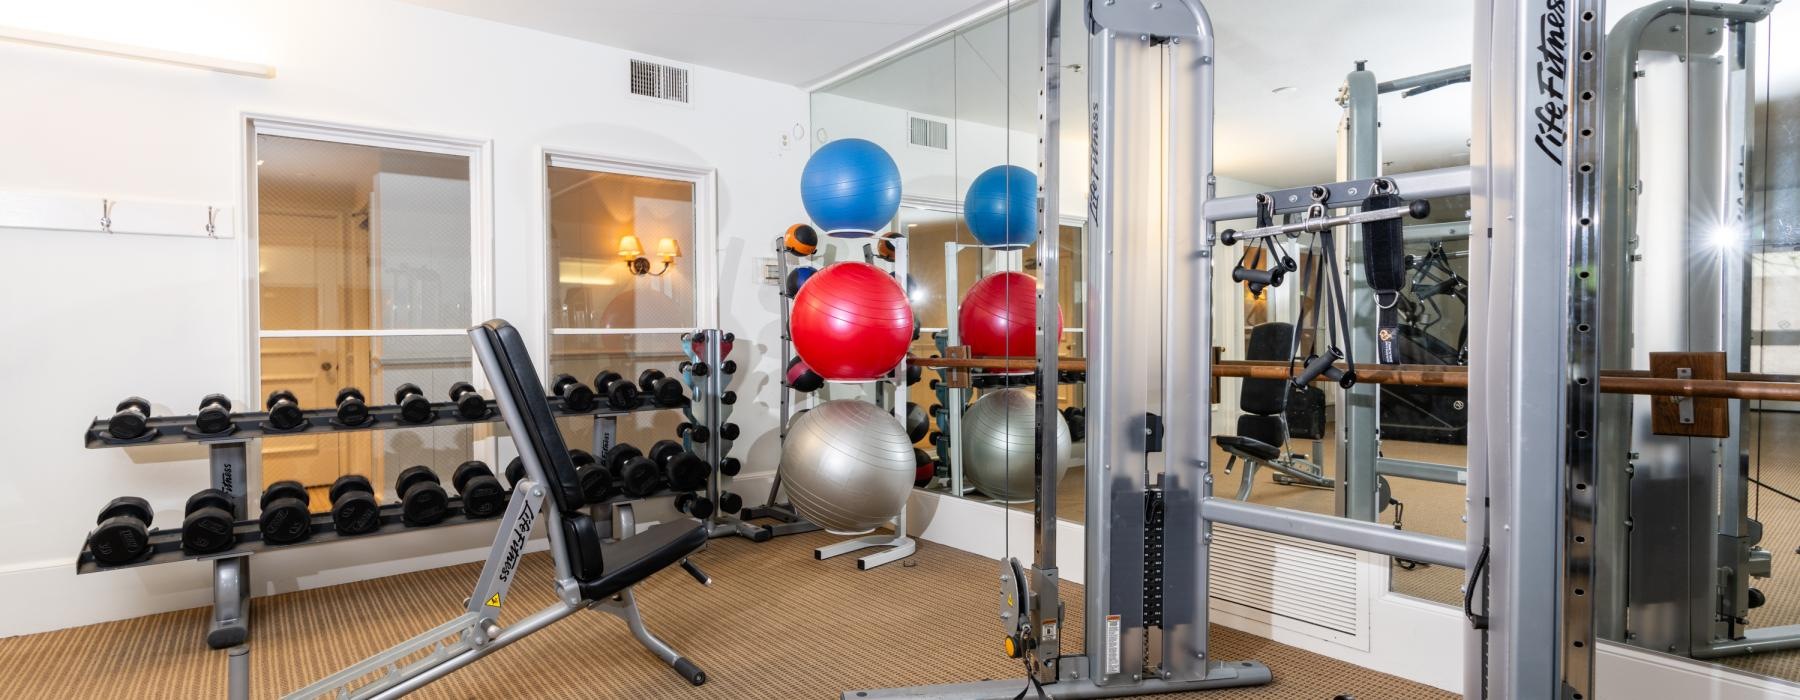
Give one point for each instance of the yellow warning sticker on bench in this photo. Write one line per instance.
(494, 602)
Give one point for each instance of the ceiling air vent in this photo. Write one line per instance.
(930, 134)
(659, 81)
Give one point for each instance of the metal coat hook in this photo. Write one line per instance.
(106, 206)
(212, 220)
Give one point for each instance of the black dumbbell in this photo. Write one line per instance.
(698, 369)
(286, 515)
(684, 470)
(284, 410)
(729, 367)
(130, 419)
(353, 507)
(621, 395)
(728, 398)
(469, 403)
(123, 535)
(352, 406)
(695, 505)
(515, 471)
(596, 482)
(729, 431)
(697, 433)
(207, 526)
(730, 466)
(422, 498)
(577, 397)
(214, 415)
(414, 407)
(638, 476)
(663, 390)
(730, 502)
(918, 422)
(482, 494)
(1076, 417)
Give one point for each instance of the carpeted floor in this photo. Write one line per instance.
(775, 624)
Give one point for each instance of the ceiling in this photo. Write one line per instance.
(787, 41)
(987, 72)
(1266, 137)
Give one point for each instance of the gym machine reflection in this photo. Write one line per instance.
(1146, 607)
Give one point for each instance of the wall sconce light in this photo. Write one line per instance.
(633, 253)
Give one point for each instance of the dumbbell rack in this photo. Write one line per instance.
(707, 347)
(899, 545)
(228, 457)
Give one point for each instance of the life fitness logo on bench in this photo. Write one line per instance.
(1553, 79)
(521, 533)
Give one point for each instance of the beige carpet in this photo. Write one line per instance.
(775, 624)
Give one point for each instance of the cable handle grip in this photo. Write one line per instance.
(1326, 366)
(1271, 277)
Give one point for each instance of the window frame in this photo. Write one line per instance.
(478, 151)
(706, 237)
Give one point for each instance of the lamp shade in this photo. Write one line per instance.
(629, 246)
(668, 249)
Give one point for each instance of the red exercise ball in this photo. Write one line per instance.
(999, 316)
(851, 321)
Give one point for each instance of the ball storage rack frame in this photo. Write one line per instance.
(899, 545)
(773, 508)
(228, 471)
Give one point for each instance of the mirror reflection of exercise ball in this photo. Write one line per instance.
(847, 466)
(997, 434)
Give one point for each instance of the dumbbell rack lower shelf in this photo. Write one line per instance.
(228, 455)
(165, 545)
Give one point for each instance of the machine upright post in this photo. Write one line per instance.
(1188, 337)
(953, 338)
(1359, 407)
(1532, 394)
(1045, 612)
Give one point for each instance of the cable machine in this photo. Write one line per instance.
(1529, 542)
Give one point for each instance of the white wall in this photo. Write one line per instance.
(91, 318)
(943, 174)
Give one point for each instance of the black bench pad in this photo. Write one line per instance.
(1250, 448)
(635, 558)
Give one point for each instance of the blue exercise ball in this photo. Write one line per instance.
(851, 188)
(1001, 207)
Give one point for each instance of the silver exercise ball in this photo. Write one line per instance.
(847, 466)
(997, 435)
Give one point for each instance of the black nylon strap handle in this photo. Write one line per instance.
(1384, 264)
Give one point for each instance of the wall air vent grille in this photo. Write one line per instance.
(930, 134)
(659, 81)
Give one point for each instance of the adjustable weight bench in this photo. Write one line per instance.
(1269, 409)
(589, 573)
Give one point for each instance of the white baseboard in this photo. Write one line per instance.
(1628, 672)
